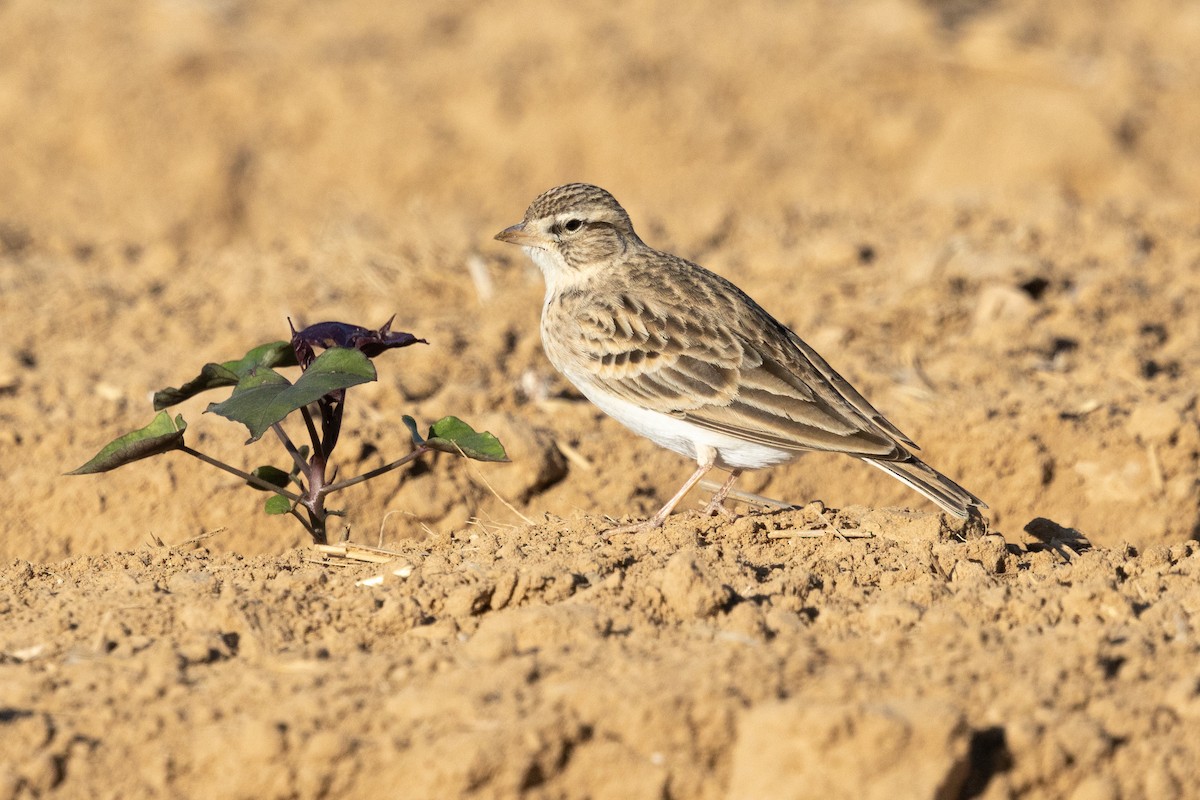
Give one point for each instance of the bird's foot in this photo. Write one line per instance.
(645, 526)
(717, 507)
(717, 504)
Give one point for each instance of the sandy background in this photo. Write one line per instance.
(983, 213)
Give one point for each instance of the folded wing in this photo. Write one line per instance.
(721, 362)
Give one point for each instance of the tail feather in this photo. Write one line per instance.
(916, 474)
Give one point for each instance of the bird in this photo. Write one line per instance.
(683, 357)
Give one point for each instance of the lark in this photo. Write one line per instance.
(681, 356)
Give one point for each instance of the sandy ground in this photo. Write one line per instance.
(983, 213)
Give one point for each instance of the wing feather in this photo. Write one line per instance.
(714, 357)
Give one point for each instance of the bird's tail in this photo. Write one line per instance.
(915, 473)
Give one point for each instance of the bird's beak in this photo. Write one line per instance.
(516, 234)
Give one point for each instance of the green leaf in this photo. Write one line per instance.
(162, 435)
(264, 397)
(258, 378)
(272, 475)
(214, 376)
(452, 435)
(277, 504)
(417, 438)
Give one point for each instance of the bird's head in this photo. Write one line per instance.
(573, 229)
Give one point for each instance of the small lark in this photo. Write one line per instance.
(685, 358)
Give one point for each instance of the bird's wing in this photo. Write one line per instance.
(712, 361)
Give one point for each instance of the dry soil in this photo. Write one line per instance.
(985, 214)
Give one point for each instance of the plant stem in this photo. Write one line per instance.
(375, 473)
(314, 471)
(308, 527)
(332, 405)
(313, 436)
(291, 448)
(246, 476)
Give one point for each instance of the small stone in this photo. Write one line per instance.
(1154, 422)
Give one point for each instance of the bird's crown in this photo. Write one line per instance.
(580, 199)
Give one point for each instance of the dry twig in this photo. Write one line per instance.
(355, 552)
(817, 533)
(484, 480)
(749, 497)
(574, 456)
(196, 539)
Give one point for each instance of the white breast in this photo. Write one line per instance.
(681, 436)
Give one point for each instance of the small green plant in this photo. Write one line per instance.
(263, 398)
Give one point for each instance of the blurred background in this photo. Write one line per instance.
(983, 212)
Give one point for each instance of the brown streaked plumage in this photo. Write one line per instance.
(687, 359)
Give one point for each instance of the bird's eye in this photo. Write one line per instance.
(573, 225)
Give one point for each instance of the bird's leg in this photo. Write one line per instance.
(717, 504)
(658, 519)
